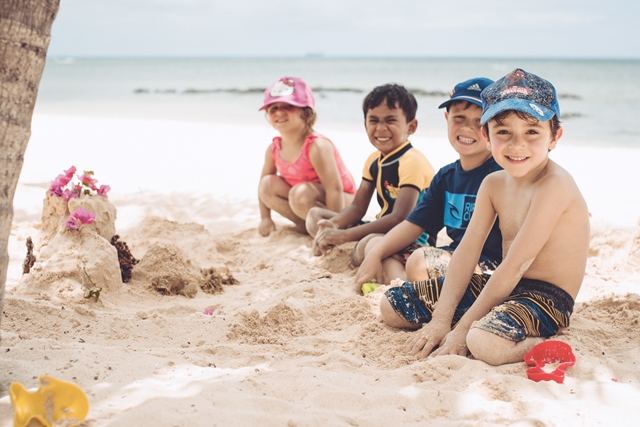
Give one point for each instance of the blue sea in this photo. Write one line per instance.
(599, 99)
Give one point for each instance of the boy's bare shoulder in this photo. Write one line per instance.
(556, 180)
(495, 179)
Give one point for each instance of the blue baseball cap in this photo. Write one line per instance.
(520, 91)
(469, 91)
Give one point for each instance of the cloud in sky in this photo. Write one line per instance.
(451, 28)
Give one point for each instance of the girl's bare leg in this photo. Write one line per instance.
(305, 196)
(274, 193)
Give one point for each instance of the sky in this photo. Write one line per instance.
(348, 28)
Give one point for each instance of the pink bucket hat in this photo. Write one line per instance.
(290, 90)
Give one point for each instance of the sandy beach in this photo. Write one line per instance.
(289, 344)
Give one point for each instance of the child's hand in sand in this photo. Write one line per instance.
(328, 236)
(455, 342)
(369, 271)
(266, 227)
(424, 340)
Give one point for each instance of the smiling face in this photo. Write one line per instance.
(285, 118)
(388, 128)
(465, 133)
(521, 146)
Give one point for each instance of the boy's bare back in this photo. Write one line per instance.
(544, 224)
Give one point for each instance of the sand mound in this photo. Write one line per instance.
(168, 270)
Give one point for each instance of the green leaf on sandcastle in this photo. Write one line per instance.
(93, 292)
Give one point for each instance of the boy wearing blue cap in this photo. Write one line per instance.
(448, 202)
(545, 233)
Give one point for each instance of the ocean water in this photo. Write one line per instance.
(599, 99)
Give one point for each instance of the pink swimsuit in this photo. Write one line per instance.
(302, 170)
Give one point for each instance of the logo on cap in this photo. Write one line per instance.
(283, 87)
(538, 109)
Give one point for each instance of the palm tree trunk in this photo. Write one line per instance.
(25, 31)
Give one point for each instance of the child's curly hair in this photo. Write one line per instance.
(394, 94)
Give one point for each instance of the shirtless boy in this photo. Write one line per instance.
(544, 222)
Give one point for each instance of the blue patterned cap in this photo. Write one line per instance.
(520, 91)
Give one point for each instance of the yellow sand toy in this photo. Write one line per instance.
(55, 403)
(368, 287)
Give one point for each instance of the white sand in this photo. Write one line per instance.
(291, 344)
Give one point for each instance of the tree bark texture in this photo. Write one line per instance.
(25, 31)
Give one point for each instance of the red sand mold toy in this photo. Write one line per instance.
(549, 352)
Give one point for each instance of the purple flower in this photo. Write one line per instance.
(57, 185)
(72, 222)
(68, 195)
(80, 216)
(63, 187)
(69, 172)
(63, 179)
(84, 216)
(56, 188)
(103, 190)
(88, 180)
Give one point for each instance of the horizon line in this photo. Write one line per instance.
(313, 56)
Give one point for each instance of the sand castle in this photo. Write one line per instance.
(77, 253)
(74, 258)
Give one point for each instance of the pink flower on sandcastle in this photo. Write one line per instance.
(63, 187)
(88, 180)
(78, 217)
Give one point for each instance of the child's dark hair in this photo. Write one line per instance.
(394, 94)
(554, 123)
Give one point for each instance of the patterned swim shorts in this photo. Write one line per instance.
(534, 308)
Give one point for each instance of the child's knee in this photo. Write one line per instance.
(415, 266)
(391, 318)
(479, 343)
(371, 241)
(311, 223)
(302, 197)
(490, 348)
(267, 184)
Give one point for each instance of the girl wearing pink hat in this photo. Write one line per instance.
(302, 169)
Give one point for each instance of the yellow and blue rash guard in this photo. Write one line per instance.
(405, 166)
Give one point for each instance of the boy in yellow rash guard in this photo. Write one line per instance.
(397, 172)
